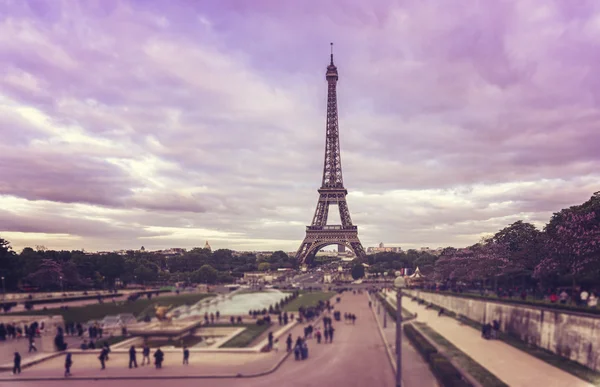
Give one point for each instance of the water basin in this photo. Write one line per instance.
(232, 304)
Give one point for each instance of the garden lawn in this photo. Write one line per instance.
(308, 299)
(245, 338)
(86, 313)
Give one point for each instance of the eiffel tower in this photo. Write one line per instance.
(332, 191)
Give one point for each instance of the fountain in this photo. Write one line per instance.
(233, 304)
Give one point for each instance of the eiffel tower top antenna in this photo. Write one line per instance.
(331, 53)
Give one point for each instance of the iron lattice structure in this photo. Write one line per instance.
(332, 191)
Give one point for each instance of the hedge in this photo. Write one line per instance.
(419, 342)
(386, 305)
(69, 299)
(443, 369)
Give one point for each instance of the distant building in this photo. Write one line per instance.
(207, 246)
(383, 249)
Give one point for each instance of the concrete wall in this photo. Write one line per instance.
(574, 336)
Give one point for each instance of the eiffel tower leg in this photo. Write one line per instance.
(321, 213)
(344, 213)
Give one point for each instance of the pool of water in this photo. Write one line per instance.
(237, 304)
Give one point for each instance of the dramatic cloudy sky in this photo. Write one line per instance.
(168, 123)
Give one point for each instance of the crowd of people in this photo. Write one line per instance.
(308, 315)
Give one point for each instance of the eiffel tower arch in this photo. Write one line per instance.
(332, 192)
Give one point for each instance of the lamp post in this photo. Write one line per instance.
(62, 288)
(3, 290)
(399, 284)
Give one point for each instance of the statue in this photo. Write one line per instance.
(161, 313)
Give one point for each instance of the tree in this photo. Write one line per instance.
(358, 271)
(8, 264)
(264, 266)
(48, 275)
(522, 244)
(572, 244)
(206, 275)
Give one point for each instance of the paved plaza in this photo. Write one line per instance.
(357, 357)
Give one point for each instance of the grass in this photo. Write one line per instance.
(99, 311)
(188, 341)
(391, 309)
(308, 299)
(246, 337)
(551, 358)
(479, 373)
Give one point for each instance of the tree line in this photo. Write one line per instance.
(565, 252)
(44, 269)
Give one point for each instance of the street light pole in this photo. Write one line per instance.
(399, 284)
(3, 290)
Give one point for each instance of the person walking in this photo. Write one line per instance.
(331, 330)
(32, 347)
(186, 355)
(270, 340)
(159, 356)
(145, 354)
(132, 357)
(326, 334)
(318, 336)
(289, 342)
(103, 357)
(107, 348)
(17, 364)
(68, 364)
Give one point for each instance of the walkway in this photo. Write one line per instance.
(514, 367)
(415, 371)
(356, 358)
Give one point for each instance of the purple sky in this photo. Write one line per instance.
(168, 123)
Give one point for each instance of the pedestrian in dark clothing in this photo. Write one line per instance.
(91, 345)
(103, 357)
(146, 355)
(17, 364)
(132, 357)
(326, 334)
(217, 315)
(107, 349)
(159, 356)
(212, 318)
(331, 330)
(318, 336)
(289, 342)
(68, 364)
(270, 340)
(232, 319)
(280, 319)
(186, 355)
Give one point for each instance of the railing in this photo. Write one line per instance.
(325, 228)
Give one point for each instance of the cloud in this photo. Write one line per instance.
(170, 124)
